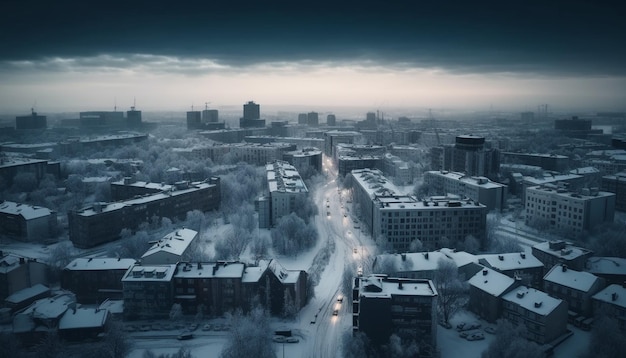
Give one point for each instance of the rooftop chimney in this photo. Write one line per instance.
(522, 254)
(538, 304)
(500, 257)
(399, 285)
(485, 272)
(564, 267)
(403, 257)
(614, 296)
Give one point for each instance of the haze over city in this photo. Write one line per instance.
(72, 56)
(322, 179)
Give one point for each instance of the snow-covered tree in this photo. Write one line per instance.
(250, 336)
(451, 290)
(510, 342)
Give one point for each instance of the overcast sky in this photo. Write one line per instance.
(73, 55)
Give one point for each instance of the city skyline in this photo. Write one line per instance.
(75, 56)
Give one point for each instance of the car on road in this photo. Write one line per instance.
(335, 312)
(355, 250)
(359, 271)
(340, 298)
(185, 336)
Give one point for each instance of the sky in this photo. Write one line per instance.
(170, 55)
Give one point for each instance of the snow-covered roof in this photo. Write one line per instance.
(578, 280)
(113, 306)
(533, 300)
(254, 273)
(285, 276)
(99, 263)
(374, 182)
(29, 212)
(613, 294)
(11, 162)
(10, 262)
(175, 243)
(29, 292)
(569, 252)
(284, 177)
(51, 307)
(474, 181)
(510, 261)
(491, 281)
(607, 265)
(426, 261)
(149, 273)
(380, 286)
(83, 318)
(210, 270)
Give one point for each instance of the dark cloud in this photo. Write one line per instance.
(558, 37)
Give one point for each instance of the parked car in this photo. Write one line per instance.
(465, 326)
(476, 336)
(292, 340)
(193, 327)
(445, 324)
(185, 336)
(490, 330)
(279, 339)
(206, 327)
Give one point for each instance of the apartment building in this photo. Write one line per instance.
(382, 306)
(517, 265)
(611, 301)
(549, 206)
(95, 279)
(148, 291)
(25, 222)
(286, 190)
(616, 184)
(486, 289)
(545, 317)
(103, 222)
(557, 252)
(172, 248)
(574, 287)
(481, 189)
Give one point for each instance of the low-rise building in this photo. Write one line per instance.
(574, 287)
(611, 269)
(18, 273)
(612, 302)
(95, 279)
(616, 184)
(520, 265)
(545, 317)
(556, 252)
(148, 291)
(103, 222)
(485, 293)
(27, 222)
(382, 306)
(424, 264)
(79, 324)
(172, 248)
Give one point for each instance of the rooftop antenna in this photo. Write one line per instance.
(32, 109)
(133, 107)
(192, 106)
(206, 105)
(114, 104)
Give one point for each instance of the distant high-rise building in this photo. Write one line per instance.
(33, 121)
(527, 117)
(312, 119)
(194, 120)
(370, 117)
(251, 110)
(210, 116)
(251, 116)
(133, 117)
(331, 120)
(302, 118)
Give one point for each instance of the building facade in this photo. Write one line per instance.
(382, 306)
(286, 190)
(574, 287)
(26, 222)
(103, 222)
(94, 280)
(481, 189)
(549, 206)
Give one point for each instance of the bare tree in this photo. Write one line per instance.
(451, 290)
(116, 343)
